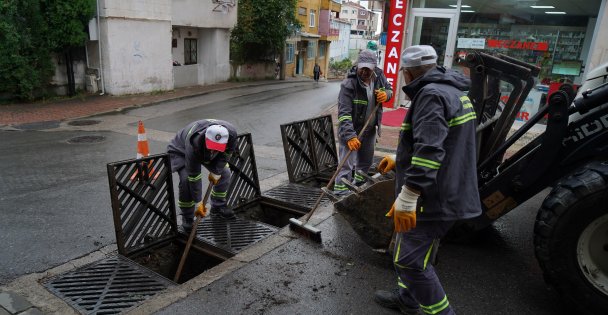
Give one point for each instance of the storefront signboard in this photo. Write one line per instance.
(516, 44)
(394, 40)
(472, 43)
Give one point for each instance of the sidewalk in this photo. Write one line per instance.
(17, 114)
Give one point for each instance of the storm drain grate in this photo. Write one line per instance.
(109, 286)
(84, 122)
(232, 235)
(294, 194)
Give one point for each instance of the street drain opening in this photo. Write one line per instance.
(164, 261)
(267, 213)
(86, 139)
(84, 122)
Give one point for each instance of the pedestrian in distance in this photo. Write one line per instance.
(365, 86)
(209, 143)
(316, 72)
(436, 178)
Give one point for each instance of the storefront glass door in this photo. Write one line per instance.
(434, 27)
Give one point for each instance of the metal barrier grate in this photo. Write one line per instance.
(232, 235)
(244, 184)
(143, 205)
(295, 195)
(109, 286)
(310, 148)
(324, 144)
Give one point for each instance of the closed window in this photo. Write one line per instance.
(301, 11)
(289, 53)
(311, 50)
(312, 18)
(190, 52)
(321, 49)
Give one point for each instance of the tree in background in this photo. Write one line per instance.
(30, 31)
(67, 21)
(25, 62)
(262, 29)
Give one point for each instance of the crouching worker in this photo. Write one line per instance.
(210, 143)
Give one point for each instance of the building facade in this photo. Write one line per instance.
(156, 45)
(311, 45)
(339, 48)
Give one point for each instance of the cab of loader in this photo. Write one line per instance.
(570, 156)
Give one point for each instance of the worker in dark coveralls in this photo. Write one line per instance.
(364, 87)
(209, 143)
(436, 181)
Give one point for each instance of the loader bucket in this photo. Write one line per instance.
(365, 212)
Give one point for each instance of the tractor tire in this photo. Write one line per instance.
(571, 239)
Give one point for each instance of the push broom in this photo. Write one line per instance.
(191, 237)
(303, 227)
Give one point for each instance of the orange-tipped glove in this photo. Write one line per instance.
(201, 210)
(214, 178)
(381, 96)
(387, 164)
(354, 144)
(404, 210)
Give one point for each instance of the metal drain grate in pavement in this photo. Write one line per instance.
(232, 235)
(295, 195)
(84, 122)
(86, 139)
(109, 286)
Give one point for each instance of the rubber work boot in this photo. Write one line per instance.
(224, 212)
(187, 224)
(391, 300)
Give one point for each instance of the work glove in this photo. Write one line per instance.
(214, 178)
(387, 164)
(353, 144)
(403, 210)
(201, 210)
(381, 96)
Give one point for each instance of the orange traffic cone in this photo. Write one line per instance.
(143, 150)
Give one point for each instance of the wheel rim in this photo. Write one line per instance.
(592, 253)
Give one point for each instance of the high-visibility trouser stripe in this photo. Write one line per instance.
(362, 102)
(218, 194)
(345, 117)
(359, 177)
(185, 204)
(340, 187)
(195, 178)
(400, 283)
(437, 307)
(461, 119)
(396, 257)
(428, 255)
(426, 163)
(406, 126)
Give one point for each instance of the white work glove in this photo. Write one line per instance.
(404, 210)
(214, 178)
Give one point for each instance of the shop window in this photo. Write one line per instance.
(289, 53)
(190, 51)
(310, 50)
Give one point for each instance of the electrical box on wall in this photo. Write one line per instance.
(93, 29)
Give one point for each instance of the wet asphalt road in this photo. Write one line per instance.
(54, 204)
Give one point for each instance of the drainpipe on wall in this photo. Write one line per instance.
(103, 87)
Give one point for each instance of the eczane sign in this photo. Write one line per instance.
(394, 40)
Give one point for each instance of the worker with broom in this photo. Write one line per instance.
(209, 143)
(436, 178)
(364, 87)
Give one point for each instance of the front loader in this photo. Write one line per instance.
(570, 156)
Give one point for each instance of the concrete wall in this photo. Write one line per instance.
(59, 81)
(200, 13)
(185, 75)
(256, 71)
(136, 46)
(339, 48)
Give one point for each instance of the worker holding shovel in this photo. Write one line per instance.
(209, 143)
(436, 178)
